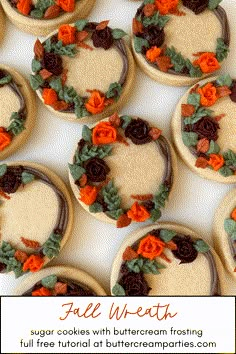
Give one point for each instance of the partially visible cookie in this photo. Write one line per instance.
(60, 281)
(166, 259)
(40, 17)
(2, 24)
(224, 232)
(122, 170)
(17, 111)
(177, 43)
(83, 72)
(204, 129)
(36, 217)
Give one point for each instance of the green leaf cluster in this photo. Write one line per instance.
(213, 148)
(80, 24)
(156, 20)
(224, 80)
(36, 81)
(118, 33)
(60, 49)
(194, 99)
(17, 124)
(167, 235)
(114, 91)
(35, 65)
(3, 169)
(76, 171)
(87, 134)
(201, 246)
(189, 138)
(95, 208)
(51, 247)
(112, 199)
(194, 71)
(144, 265)
(225, 171)
(118, 290)
(212, 4)
(7, 257)
(139, 43)
(230, 228)
(49, 282)
(230, 158)
(90, 151)
(199, 113)
(5, 80)
(176, 59)
(222, 50)
(27, 177)
(125, 121)
(159, 200)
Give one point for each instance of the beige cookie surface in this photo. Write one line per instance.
(72, 274)
(2, 24)
(36, 214)
(42, 27)
(15, 96)
(175, 278)
(223, 228)
(137, 173)
(225, 109)
(188, 34)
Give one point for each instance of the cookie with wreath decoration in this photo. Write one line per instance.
(178, 42)
(122, 170)
(36, 217)
(60, 281)
(204, 129)
(2, 24)
(84, 71)
(17, 111)
(224, 232)
(40, 17)
(166, 259)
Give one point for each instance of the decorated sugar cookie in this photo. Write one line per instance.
(36, 217)
(2, 24)
(178, 42)
(60, 281)
(17, 111)
(204, 129)
(83, 72)
(122, 170)
(224, 232)
(41, 17)
(166, 259)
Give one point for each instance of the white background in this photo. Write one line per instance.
(93, 244)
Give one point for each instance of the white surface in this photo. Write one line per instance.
(93, 244)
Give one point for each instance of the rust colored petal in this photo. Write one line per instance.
(164, 63)
(129, 254)
(223, 91)
(38, 49)
(201, 162)
(102, 25)
(123, 221)
(115, 120)
(203, 145)
(187, 110)
(137, 26)
(45, 74)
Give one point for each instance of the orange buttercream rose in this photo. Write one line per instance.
(88, 194)
(153, 53)
(151, 247)
(104, 133)
(216, 161)
(233, 214)
(207, 62)
(208, 94)
(138, 213)
(166, 6)
(96, 102)
(66, 5)
(5, 138)
(34, 263)
(49, 96)
(66, 34)
(24, 6)
(41, 292)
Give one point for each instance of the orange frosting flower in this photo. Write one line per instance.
(49, 96)
(88, 194)
(138, 213)
(33, 263)
(66, 34)
(208, 94)
(233, 214)
(41, 292)
(216, 161)
(104, 133)
(151, 247)
(96, 102)
(207, 62)
(153, 53)
(5, 138)
(24, 6)
(66, 5)
(166, 6)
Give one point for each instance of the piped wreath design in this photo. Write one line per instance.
(149, 37)
(50, 76)
(11, 259)
(89, 170)
(200, 127)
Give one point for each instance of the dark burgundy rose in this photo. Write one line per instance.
(53, 63)
(2, 267)
(134, 284)
(2, 74)
(154, 35)
(197, 6)
(155, 232)
(96, 169)
(148, 204)
(10, 182)
(233, 92)
(186, 251)
(206, 127)
(103, 38)
(137, 130)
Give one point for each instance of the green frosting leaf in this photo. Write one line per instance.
(96, 208)
(222, 50)
(225, 171)
(118, 290)
(155, 215)
(35, 65)
(194, 71)
(36, 81)
(56, 84)
(114, 91)
(5, 80)
(224, 80)
(68, 94)
(49, 282)
(7, 257)
(139, 43)
(44, 4)
(201, 246)
(233, 236)
(51, 247)
(148, 2)
(230, 158)
(93, 151)
(80, 24)
(230, 226)
(125, 121)
(111, 197)
(60, 49)
(115, 214)
(37, 13)
(176, 59)
(3, 169)
(156, 20)
(17, 124)
(81, 112)
(189, 138)
(213, 148)
(161, 196)
(167, 235)
(194, 99)
(200, 112)
(144, 265)
(118, 33)
(86, 134)
(76, 171)
(213, 4)
(27, 177)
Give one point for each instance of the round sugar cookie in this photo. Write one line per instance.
(36, 217)
(17, 111)
(204, 129)
(2, 24)
(224, 232)
(60, 281)
(177, 43)
(83, 72)
(123, 170)
(40, 17)
(166, 259)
